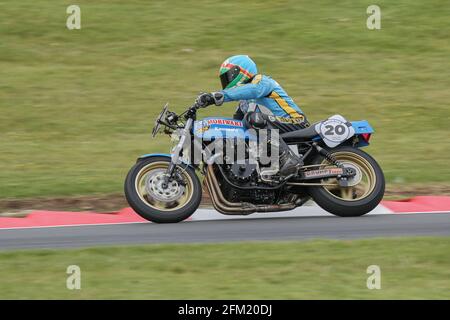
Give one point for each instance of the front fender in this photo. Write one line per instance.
(150, 155)
(166, 155)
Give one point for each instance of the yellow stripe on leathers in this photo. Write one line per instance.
(257, 79)
(284, 105)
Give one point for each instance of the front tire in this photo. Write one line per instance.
(146, 195)
(360, 198)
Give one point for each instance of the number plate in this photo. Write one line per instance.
(335, 130)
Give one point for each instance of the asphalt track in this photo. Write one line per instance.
(295, 228)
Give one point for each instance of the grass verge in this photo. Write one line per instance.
(411, 268)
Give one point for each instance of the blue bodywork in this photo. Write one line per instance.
(213, 128)
(362, 127)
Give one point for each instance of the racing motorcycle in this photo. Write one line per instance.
(337, 174)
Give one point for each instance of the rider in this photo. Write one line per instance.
(263, 104)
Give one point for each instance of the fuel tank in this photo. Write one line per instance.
(221, 128)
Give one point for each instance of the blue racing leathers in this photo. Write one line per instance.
(268, 96)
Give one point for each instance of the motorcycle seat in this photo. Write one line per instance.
(300, 135)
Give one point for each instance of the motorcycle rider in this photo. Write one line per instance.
(263, 104)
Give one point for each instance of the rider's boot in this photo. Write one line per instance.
(289, 162)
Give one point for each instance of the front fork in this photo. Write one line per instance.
(176, 152)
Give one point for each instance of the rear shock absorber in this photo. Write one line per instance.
(347, 172)
(327, 155)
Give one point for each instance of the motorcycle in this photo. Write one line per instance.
(337, 174)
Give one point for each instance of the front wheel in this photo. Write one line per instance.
(147, 195)
(364, 192)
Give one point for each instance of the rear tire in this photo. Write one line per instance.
(139, 197)
(341, 207)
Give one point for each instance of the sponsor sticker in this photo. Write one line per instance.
(225, 122)
(323, 172)
(298, 120)
(203, 129)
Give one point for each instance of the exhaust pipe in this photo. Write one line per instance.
(238, 208)
(220, 203)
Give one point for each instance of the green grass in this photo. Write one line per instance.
(411, 268)
(76, 107)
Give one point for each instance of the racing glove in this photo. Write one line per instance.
(206, 99)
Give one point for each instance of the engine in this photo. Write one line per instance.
(245, 175)
(243, 172)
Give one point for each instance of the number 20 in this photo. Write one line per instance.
(339, 130)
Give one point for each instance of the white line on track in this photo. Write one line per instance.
(309, 210)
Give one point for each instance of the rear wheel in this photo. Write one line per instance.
(147, 195)
(364, 192)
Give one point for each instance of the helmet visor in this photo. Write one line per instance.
(227, 77)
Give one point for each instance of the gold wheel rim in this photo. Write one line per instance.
(151, 200)
(361, 189)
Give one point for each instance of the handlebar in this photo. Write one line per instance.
(191, 113)
(170, 119)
